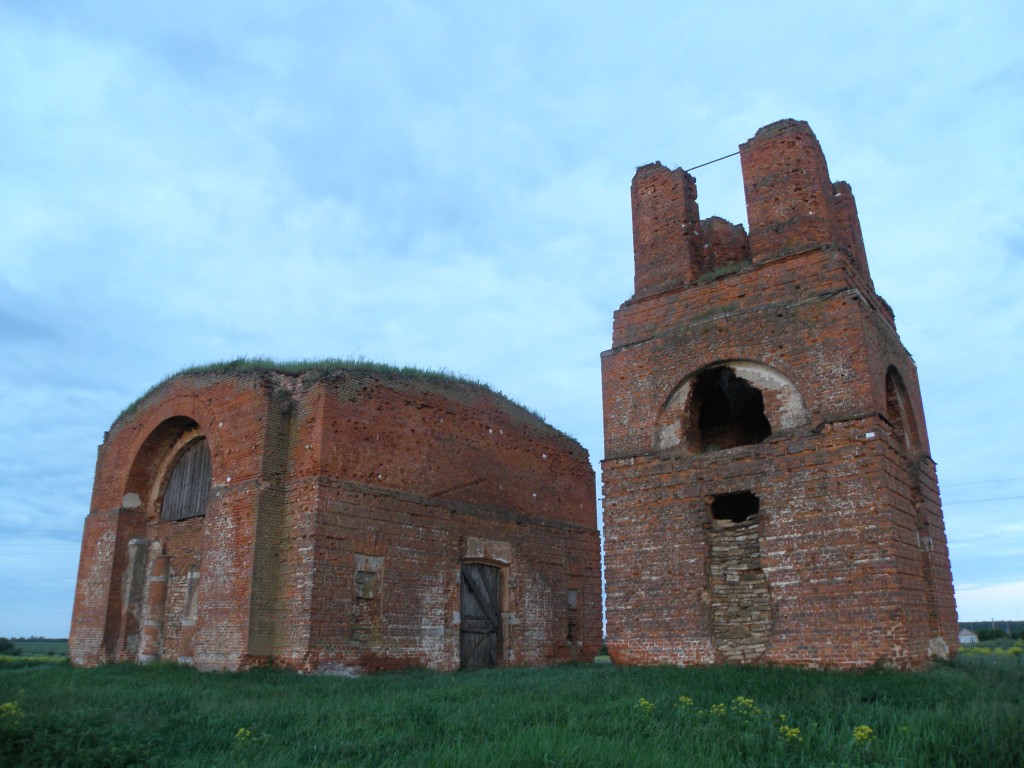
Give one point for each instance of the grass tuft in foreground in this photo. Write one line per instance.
(963, 714)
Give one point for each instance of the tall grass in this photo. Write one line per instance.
(964, 714)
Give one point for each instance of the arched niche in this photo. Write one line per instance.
(160, 447)
(898, 412)
(169, 481)
(728, 404)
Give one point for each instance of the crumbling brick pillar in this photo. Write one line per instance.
(666, 228)
(156, 603)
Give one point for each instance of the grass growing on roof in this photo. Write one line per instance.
(324, 367)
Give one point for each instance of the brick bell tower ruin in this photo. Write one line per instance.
(769, 493)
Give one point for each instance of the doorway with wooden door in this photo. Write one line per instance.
(480, 611)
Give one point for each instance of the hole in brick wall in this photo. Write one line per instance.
(735, 507)
(729, 411)
(706, 411)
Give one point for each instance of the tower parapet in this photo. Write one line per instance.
(792, 207)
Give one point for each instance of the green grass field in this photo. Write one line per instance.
(42, 647)
(968, 713)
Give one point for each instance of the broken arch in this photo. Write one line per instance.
(728, 404)
(726, 411)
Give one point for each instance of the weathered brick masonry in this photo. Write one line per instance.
(354, 520)
(768, 490)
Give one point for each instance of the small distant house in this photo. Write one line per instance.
(967, 637)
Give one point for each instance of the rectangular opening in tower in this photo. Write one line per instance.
(741, 615)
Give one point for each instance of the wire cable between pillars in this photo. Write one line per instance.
(709, 162)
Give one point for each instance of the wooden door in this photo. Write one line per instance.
(480, 634)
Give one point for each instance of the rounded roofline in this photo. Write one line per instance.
(313, 370)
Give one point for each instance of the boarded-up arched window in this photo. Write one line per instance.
(189, 485)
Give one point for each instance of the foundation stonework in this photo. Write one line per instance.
(344, 511)
(769, 496)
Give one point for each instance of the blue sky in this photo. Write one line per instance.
(447, 185)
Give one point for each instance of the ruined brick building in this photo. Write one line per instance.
(768, 490)
(769, 494)
(332, 520)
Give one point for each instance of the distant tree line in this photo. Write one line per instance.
(9, 645)
(995, 630)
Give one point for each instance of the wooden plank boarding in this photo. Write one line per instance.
(480, 630)
(189, 486)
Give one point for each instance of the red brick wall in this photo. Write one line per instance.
(849, 532)
(411, 474)
(131, 470)
(666, 226)
(318, 477)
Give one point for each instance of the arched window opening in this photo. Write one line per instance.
(896, 410)
(150, 463)
(735, 507)
(737, 402)
(729, 411)
(189, 484)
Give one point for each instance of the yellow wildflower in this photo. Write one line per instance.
(10, 713)
(644, 707)
(790, 734)
(863, 734)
